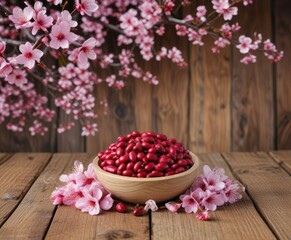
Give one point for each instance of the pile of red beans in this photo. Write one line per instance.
(145, 155)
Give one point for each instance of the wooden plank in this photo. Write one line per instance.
(170, 96)
(36, 206)
(71, 223)
(209, 99)
(16, 176)
(269, 187)
(70, 141)
(24, 142)
(234, 221)
(283, 158)
(4, 157)
(252, 92)
(283, 72)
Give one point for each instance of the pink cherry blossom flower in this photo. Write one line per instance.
(228, 13)
(2, 47)
(245, 44)
(201, 11)
(90, 202)
(61, 36)
(212, 180)
(28, 55)
(71, 194)
(191, 202)
(86, 6)
(150, 205)
(86, 52)
(67, 17)
(89, 129)
(210, 200)
(57, 196)
(42, 21)
(17, 77)
(232, 193)
(5, 69)
(106, 202)
(55, 2)
(173, 206)
(204, 216)
(250, 58)
(21, 18)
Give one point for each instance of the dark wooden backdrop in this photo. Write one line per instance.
(217, 104)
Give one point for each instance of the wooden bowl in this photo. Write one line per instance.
(139, 190)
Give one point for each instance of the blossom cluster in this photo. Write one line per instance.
(210, 190)
(59, 48)
(83, 191)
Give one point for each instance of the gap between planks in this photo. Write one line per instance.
(269, 187)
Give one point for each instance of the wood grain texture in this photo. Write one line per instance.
(272, 198)
(283, 158)
(70, 141)
(283, 72)
(3, 157)
(24, 142)
(209, 99)
(16, 177)
(170, 97)
(119, 119)
(252, 92)
(235, 221)
(71, 223)
(36, 206)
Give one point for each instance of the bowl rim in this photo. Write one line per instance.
(153, 179)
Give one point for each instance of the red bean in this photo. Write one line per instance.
(140, 155)
(121, 167)
(135, 134)
(124, 158)
(174, 166)
(155, 173)
(119, 152)
(179, 170)
(161, 137)
(137, 166)
(148, 139)
(151, 134)
(172, 172)
(149, 167)
(117, 162)
(121, 144)
(161, 166)
(103, 164)
(164, 159)
(182, 163)
(127, 173)
(122, 139)
(146, 145)
(152, 157)
(110, 162)
(130, 166)
(137, 148)
(160, 147)
(142, 174)
(152, 150)
(132, 156)
(129, 147)
(111, 169)
(121, 207)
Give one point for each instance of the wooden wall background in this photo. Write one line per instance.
(217, 104)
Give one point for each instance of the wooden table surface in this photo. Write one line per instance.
(27, 180)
